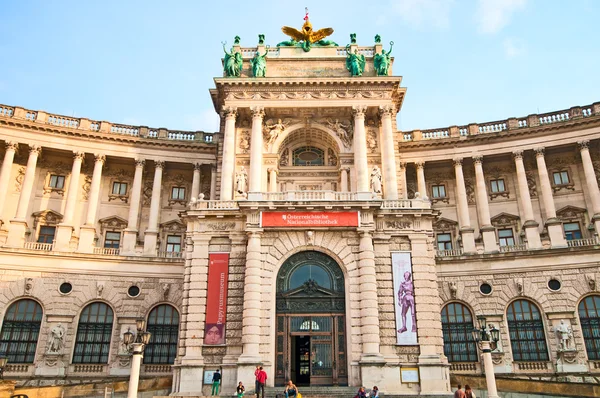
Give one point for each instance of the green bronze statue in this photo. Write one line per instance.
(355, 62)
(377, 39)
(232, 64)
(352, 38)
(236, 41)
(261, 39)
(306, 37)
(383, 61)
(259, 64)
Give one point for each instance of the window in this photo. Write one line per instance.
(163, 323)
(46, 234)
(438, 191)
(526, 331)
(178, 193)
(506, 237)
(561, 178)
(457, 324)
(112, 240)
(173, 244)
(572, 231)
(497, 186)
(92, 343)
(57, 182)
(119, 188)
(589, 317)
(308, 156)
(310, 273)
(20, 331)
(444, 242)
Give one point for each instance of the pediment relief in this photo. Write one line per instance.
(113, 222)
(504, 219)
(46, 217)
(444, 224)
(570, 212)
(173, 226)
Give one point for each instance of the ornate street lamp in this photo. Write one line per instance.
(136, 344)
(3, 362)
(487, 340)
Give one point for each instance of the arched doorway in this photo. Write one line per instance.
(311, 338)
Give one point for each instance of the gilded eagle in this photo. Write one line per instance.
(307, 36)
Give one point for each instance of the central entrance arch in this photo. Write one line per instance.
(310, 306)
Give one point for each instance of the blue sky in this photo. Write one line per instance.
(152, 62)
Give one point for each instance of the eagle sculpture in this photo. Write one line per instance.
(306, 37)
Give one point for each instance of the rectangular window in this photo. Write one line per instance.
(178, 193)
(497, 185)
(438, 191)
(572, 231)
(506, 237)
(561, 178)
(112, 240)
(57, 182)
(173, 244)
(46, 234)
(444, 242)
(119, 188)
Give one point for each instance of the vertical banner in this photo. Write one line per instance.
(216, 302)
(404, 299)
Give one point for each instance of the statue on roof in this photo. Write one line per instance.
(259, 64)
(383, 61)
(306, 38)
(355, 62)
(232, 64)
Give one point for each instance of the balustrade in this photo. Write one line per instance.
(435, 134)
(449, 252)
(6, 111)
(493, 127)
(169, 254)
(125, 130)
(582, 242)
(554, 117)
(181, 135)
(107, 251)
(512, 248)
(47, 247)
(30, 115)
(63, 121)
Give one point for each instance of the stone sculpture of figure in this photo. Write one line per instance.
(406, 301)
(371, 141)
(331, 158)
(275, 130)
(28, 285)
(376, 180)
(56, 340)
(259, 64)
(341, 131)
(232, 64)
(166, 288)
(241, 180)
(355, 62)
(453, 289)
(99, 288)
(283, 159)
(244, 142)
(565, 334)
(383, 61)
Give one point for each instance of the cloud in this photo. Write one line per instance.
(493, 15)
(513, 48)
(433, 13)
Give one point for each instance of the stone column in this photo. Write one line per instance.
(228, 154)
(369, 313)
(403, 180)
(213, 182)
(252, 307)
(591, 183)
(256, 153)
(530, 226)
(151, 235)
(466, 230)
(272, 179)
(421, 186)
(196, 181)
(388, 153)
(360, 153)
(130, 234)
(64, 231)
(490, 244)
(344, 179)
(18, 225)
(553, 224)
(87, 231)
(7, 163)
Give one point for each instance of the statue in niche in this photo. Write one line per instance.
(565, 336)
(244, 141)
(241, 180)
(376, 180)
(331, 158)
(283, 159)
(383, 61)
(259, 64)
(342, 131)
(232, 64)
(371, 140)
(56, 339)
(355, 62)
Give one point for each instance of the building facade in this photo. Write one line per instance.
(308, 236)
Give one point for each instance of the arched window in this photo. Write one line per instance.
(308, 156)
(20, 331)
(589, 317)
(94, 331)
(526, 330)
(163, 323)
(310, 272)
(457, 325)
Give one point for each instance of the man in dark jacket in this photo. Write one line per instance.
(216, 380)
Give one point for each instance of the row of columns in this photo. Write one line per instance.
(530, 226)
(360, 154)
(18, 225)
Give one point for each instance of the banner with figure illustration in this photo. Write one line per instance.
(216, 301)
(404, 299)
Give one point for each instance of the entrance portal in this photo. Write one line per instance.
(311, 342)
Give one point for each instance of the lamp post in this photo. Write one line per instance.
(487, 340)
(3, 362)
(136, 344)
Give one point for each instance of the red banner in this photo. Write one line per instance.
(216, 302)
(309, 219)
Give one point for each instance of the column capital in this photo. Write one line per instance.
(539, 152)
(230, 112)
(420, 164)
(159, 164)
(386, 110)
(140, 162)
(402, 165)
(100, 157)
(583, 145)
(346, 169)
(457, 162)
(257, 111)
(359, 110)
(37, 149)
(197, 166)
(12, 146)
(478, 159)
(518, 154)
(272, 169)
(254, 234)
(77, 155)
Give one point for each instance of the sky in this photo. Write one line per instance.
(152, 62)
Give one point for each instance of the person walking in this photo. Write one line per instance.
(469, 392)
(256, 372)
(240, 390)
(216, 380)
(459, 393)
(262, 380)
